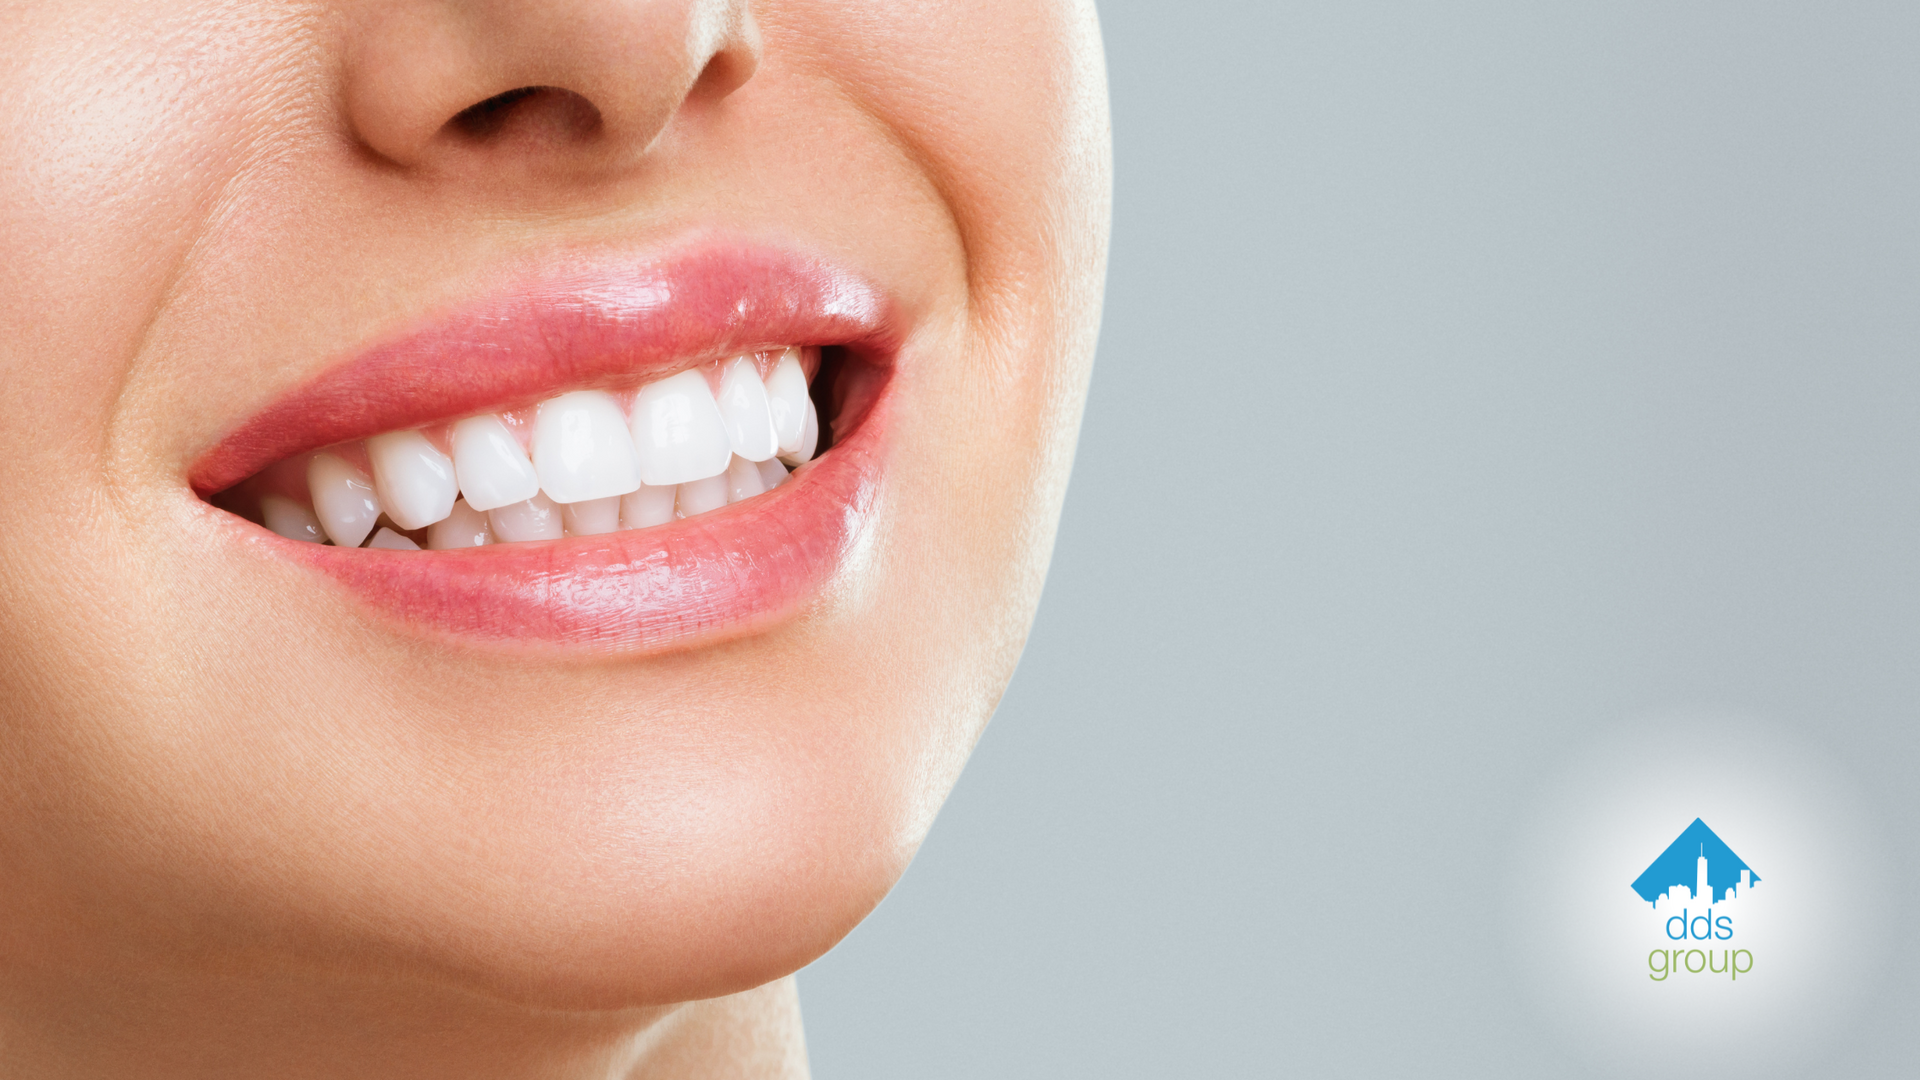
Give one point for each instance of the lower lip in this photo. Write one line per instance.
(726, 574)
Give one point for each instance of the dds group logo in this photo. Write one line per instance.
(1718, 908)
(1698, 889)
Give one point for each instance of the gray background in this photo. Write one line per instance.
(1473, 376)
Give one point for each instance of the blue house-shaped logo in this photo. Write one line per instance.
(1700, 863)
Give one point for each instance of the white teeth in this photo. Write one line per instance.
(647, 507)
(589, 471)
(392, 541)
(465, 527)
(343, 499)
(492, 469)
(678, 432)
(700, 496)
(809, 440)
(593, 517)
(787, 400)
(743, 480)
(536, 519)
(581, 448)
(414, 479)
(745, 412)
(772, 473)
(290, 519)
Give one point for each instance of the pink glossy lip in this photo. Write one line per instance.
(728, 572)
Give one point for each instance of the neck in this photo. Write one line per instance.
(314, 1027)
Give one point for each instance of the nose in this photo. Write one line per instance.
(573, 81)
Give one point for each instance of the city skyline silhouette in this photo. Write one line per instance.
(1699, 862)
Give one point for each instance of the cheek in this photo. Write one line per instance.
(1003, 102)
(125, 122)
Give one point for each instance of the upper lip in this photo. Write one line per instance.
(593, 321)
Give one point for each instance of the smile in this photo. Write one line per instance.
(599, 457)
(581, 463)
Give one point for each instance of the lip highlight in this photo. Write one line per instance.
(694, 581)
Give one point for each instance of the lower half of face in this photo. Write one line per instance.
(550, 528)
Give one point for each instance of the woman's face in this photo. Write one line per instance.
(667, 761)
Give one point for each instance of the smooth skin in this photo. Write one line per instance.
(249, 829)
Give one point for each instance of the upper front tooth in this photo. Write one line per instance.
(414, 478)
(809, 440)
(343, 499)
(744, 410)
(492, 469)
(581, 448)
(787, 400)
(678, 431)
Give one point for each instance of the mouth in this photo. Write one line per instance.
(626, 457)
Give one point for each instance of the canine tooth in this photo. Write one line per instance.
(772, 473)
(581, 448)
(647, 507)
(392, 541)
(593, 517)
(290, 519)
(678, 432)
(743, 480)
(465, 527)
(492, 469)
(809, 441)
(787, 400)
(700, 496)
(537, 518)
(745, 412)
(414, 479)
(343, 499)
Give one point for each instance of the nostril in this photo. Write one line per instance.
(489, 116)
(546, 109)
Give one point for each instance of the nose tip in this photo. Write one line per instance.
(568, 80)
